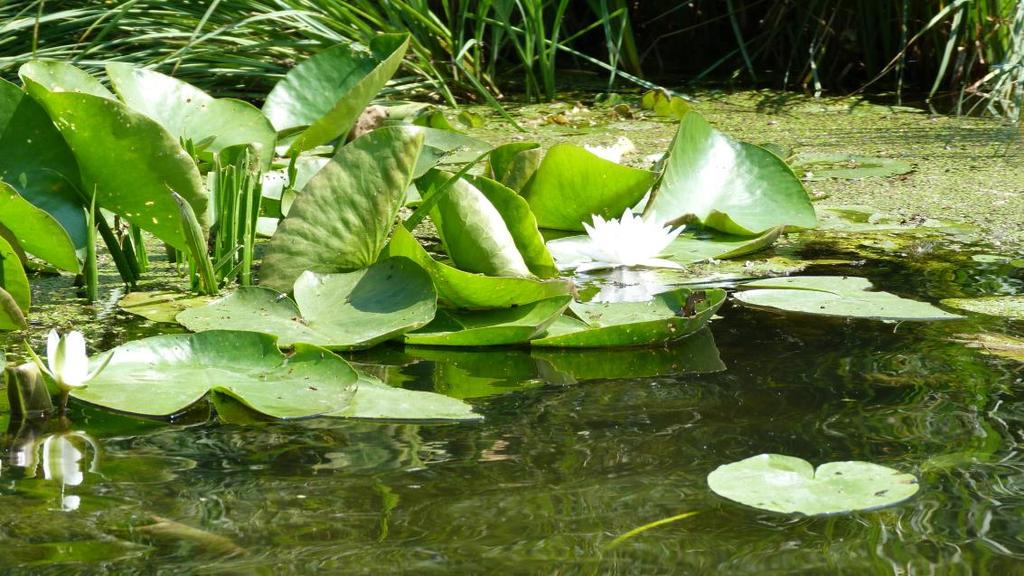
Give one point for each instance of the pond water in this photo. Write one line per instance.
(576, 448)
(572, 453)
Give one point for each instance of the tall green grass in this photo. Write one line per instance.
(967, 52)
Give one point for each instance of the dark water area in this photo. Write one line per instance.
(576, 449)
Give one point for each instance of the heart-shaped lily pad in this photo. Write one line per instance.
(1003, 306)
(791, 485)
(845, 296)
(668, 316)
(164, 375)
(489, 327)
(338, 311)
(732, 186)
(461, 289)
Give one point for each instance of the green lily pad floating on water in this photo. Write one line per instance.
(732, 186)
(791, 485)
(338, 311)
(668, 316)
(1004, 306)
(164, 375)
(461, 289)
(489, 327)
(844, 296)
(822, 166)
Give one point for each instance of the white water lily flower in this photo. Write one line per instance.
(613, 153)
(628, 241)
(67, 361)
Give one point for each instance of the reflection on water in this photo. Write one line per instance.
(577, 448)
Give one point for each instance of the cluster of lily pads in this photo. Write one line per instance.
(347, 199)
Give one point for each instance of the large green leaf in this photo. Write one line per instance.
(36, 231)
(164, 375)
(188, 112)
(339, 311)
(695, 354)
(342, 218)
(846, 296)
(129, 161)
(161, 305)
(472, 230)
(610, 324)
(498, 327)
(735, 187)
(791, 485)
(442, 147)
(462, 289)
(12, 277)
(11, 316)
(521, 224)
(571, 185)
(35, 160)
(327, 93)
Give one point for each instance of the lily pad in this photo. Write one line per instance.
(325, 95)
(161, 305)
(442, 147)
(732, 186)
(188, 112)
(499, 327)
(664, 104)
(36, 231)
(822, 166)
(57, 76)
(668, 316)
(342, 218)
(164, 375)
(572, 184)
(1004, 306)
(338, 311)
(129, 160)
(461, 289)
(792, 485)
(845, 296)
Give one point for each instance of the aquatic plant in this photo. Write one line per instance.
(627, 241)
(67, 363)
